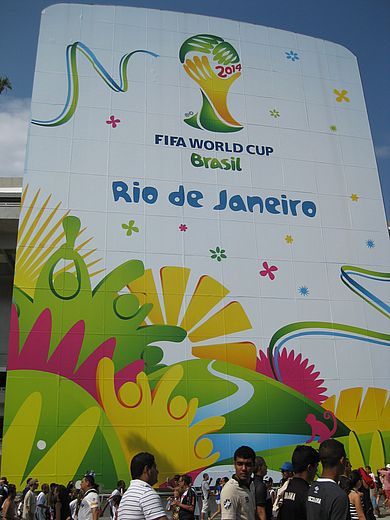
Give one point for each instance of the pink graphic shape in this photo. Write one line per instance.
(296, 373)
(63, 361)
(183, 227)
(268, 270)
(113, 121)
(320, 429)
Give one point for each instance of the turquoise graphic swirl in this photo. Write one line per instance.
(73, 79)
(314, 328)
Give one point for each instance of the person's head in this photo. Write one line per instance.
(355, 480)
(3, 481)
(268, 481)
(33, 484)
(63, 494)
(28, 480)
(53, 486)
(332, 456)
(224, 480)
(176, 492)
(244, 461)
(88, 482)
(45, 488)
(305, 461)
(121, 484)
(12, 491)
(260, 467)
(75, 493)
(287, 470)
(368, 469)
(184, 482)
(70, 486)
(143, 466)
(347, 467)
(205, 476)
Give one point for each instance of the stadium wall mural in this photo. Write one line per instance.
(202, 251)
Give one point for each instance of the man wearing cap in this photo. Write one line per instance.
(287, 472)
(30, 501)
(237, 500)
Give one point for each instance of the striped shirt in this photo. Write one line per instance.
(140, 502)
(352, 512)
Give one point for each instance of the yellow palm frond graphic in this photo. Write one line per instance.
(40, 234)
(201, 317)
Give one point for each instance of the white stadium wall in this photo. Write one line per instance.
(202, 255)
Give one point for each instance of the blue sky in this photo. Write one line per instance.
(360, 25)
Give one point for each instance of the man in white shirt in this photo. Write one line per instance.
(30, 501)
(205, 496)
(140, 501)
(88, 509)
(237, 500)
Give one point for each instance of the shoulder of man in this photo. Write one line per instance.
(92, 498)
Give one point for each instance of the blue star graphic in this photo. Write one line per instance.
(291, 55)
(303, 291)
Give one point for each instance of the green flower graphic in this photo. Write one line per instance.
(130, 228)
(218, 254)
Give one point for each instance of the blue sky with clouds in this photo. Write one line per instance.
(360, 25)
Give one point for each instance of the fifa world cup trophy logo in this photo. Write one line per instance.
(214, 65)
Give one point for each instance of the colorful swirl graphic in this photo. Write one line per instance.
(73, 79)
(314, 328)
(214, 81)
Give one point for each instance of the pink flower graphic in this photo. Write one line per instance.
(296, 372)
(183, 227)
(268, 270)
(112, 121)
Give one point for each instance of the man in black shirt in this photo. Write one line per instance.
(326, 501)
(260, 488)
(187, 500)
(305, 462)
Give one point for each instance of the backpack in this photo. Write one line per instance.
(279, 497)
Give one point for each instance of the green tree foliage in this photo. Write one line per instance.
(5, 84)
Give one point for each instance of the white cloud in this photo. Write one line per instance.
(382, 152)
(14, 118)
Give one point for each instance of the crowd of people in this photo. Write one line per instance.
(53, 502)
(340, 493)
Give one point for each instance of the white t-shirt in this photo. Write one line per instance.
(140, 502)
(90, 501)
(41, 511)
(29, 504)
(237, 502)
(72, 507)
(113, 494)
(205, 489)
